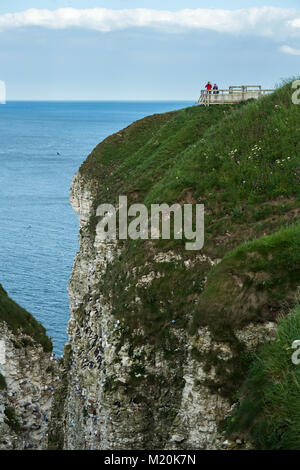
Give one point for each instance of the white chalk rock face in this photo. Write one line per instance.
(28, 376)
(122, 391)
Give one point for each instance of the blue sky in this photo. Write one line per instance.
(144, 55)
(19, 5)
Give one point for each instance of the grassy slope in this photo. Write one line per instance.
(243, 163)
(261, 277)
(18, 319)
(270, 410)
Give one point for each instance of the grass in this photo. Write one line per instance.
(19, 319)
(3, 385)
(250, 154)
(237, 160)
(253, 282)
(133, 160)
(11, 419)
(269, 413)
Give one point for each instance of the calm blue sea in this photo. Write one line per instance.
(42, 145)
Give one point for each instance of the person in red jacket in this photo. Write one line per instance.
(208, 87)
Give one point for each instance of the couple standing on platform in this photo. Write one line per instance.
(214, 89)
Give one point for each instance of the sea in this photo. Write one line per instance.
(42, 145)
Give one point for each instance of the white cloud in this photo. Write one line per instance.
(264, 21)
(295, 23)
(289, 50)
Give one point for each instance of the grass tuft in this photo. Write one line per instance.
(269, 413)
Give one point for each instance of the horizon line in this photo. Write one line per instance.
(95, 101)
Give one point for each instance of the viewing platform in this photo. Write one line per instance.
(234, 94)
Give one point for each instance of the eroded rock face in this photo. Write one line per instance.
(29, 376)
(127, 394)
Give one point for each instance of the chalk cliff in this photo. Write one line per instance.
(28, 375)
(126, 391)
(161, 338)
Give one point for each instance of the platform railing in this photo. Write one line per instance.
(232, 95)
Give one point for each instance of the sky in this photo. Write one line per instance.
(144, 50)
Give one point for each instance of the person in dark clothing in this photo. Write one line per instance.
(215, 89)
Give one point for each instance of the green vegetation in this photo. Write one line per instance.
(2, 382)
(253, 282)
(269, 413)
(11, 419)
(243, 163)
(249, 156)
(18, 319)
